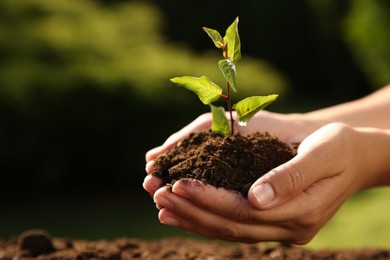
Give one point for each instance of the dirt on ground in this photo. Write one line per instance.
(38, 244)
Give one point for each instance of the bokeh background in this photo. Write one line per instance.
(84, 93)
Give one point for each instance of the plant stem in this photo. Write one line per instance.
(229, 99)
(223, 96)
(229, 103)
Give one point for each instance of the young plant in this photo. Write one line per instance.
(209, 92)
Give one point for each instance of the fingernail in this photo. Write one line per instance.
(264, 194)
(170, 222)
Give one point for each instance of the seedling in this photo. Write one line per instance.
(209, 92)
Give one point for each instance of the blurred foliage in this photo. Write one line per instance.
(367, 29)
(357, 223)
(62, 44)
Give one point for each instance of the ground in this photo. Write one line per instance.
(38, 244)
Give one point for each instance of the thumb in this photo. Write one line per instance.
(278, 185)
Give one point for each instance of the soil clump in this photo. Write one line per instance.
(233, 162)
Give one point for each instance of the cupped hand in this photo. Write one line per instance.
(288, 204)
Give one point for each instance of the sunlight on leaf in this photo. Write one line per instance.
(215, 36)
(206, 90)
(228, 70)
(232, 38)
(248, 107)
(220, 124)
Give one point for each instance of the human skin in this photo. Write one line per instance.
(293, 201)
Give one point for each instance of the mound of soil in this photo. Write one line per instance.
(234, 163)
(38, 244)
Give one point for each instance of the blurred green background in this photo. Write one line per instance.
(84, 93)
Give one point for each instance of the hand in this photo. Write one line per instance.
(290, 203)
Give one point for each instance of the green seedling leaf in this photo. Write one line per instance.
(220, 124)
(248, 107)
(215, 36)
(206, 90)
(228, 70)
(232, 39)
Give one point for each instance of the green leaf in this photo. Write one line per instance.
(215, 36)
(206, 90)
(232, 39)
(248, 107)
(229, 72)
(220, 124)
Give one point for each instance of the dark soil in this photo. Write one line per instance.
(233, 162)
(38, 244)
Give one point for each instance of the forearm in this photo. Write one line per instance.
(376, 160)
(370, 111)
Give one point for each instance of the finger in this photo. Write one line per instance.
(149, 166)
(180, 212)
(155, 152)
(151, 184)
(167, 217)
